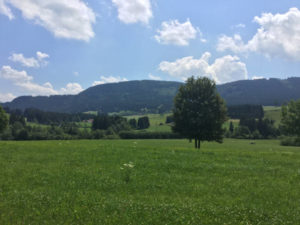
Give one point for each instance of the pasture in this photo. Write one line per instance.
(149, 182)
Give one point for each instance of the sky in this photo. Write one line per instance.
(51, 47)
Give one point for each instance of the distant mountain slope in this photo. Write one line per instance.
(262, 91)
(113, 97)
(137, 95)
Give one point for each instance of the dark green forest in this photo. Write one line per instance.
(157, 96)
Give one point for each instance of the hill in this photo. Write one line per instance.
(270, 92)
(114, 97)
(157, 96)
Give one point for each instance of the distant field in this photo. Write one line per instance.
(157, 122)
(274, 113)
(86, 182)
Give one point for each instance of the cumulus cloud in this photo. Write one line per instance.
(176, 33)
(278, 35)
(152, 77)
(257, 78)
(70, 19)
(25, 82)
(30, 62)
(225, 69)
(133, 11)
(109, 79)
(5, 10)
(71, 88)
(6, 97)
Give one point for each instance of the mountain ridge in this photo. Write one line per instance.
(151, 96)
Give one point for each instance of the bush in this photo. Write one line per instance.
(143, 122)
(290, 141)
(98, 134)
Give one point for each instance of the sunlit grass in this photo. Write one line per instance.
(81, 182)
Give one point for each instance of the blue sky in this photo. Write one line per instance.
(65, 46)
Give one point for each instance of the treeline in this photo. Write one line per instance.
(103, 127)
(48, 118)
(245, 111)
(251, 128)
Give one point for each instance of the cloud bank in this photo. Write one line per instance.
(225, 69)
(133, 11)
(71, 19)
(278, 35)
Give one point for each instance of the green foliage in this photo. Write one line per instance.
(41, 117)
(3, 120)
(14, 117)
(170, 119)
(143, 123)
(231, 127)
(133, 123)
(80, 182)
(250, 128)
(157, 96)
(113, 123)
(291, 118)
(245, 111)
(290, 141)
(199, 112)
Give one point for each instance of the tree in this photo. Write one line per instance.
(231, 127)
(3, 120)
(290, 118)
(132, 123)
(199, 112)
(143, 122)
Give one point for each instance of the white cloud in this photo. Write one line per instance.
(71, 88)
(41, 56)
(109, 79)
(152, 77)
(173, 32)
(133, 11)
(70, 19)
(257, 77)
(7, 97)
(5, 10)
(24, 81)
(225, 69)
(278, 35)
(16, 76)
(240, 25)
(30, 62)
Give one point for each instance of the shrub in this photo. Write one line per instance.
(290, 141)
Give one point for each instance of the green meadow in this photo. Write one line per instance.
(149, 182)
(274, 113)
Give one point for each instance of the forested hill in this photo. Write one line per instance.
(113, 97)
(158, 96)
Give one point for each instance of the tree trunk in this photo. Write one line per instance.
(197, 143)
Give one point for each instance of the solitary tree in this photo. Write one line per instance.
(3, 119)
(199, 112)
(290, 118)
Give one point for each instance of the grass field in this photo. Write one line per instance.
(157, 122)
(86, 182)
(274, 113)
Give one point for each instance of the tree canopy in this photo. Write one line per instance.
(199, 112)
(290, 118)
(3, 120)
